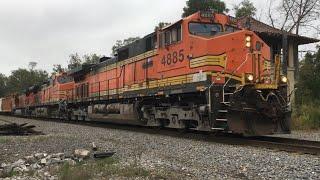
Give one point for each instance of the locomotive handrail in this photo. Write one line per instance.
(236, 70)
(229, 78)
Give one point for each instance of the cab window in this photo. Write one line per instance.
(151, 42)
(231, 29)
(64, 79)
(204, 29)
(173, 35)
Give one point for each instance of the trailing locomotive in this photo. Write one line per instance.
(7, 104)
(202, 73)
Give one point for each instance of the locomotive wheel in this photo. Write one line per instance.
(69, 116)
(285, 123)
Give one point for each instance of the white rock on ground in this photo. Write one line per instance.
(82, 153)
(39, 167)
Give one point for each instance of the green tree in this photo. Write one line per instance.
(245, 8)
(3, 85)
(57, 68)
(307, 97)
(32, 65)
(74, 61)
(22, 79)
(161, 25)
(309, 79)
(117, 45)
(122, 43)
(194, 6)
(91, 59)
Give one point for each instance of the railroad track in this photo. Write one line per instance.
(3, 120)
(291, 145)
(275, 143)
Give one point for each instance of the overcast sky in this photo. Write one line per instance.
(48, 31)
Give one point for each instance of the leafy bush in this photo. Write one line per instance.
(306, 116)
(307, 99)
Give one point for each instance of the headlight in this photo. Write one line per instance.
(250, 77)
(284, 79)
(248, 41)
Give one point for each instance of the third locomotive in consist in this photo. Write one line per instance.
(202, 72)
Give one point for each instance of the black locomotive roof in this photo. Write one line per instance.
(106, 62)
(140, 46)
(32, 89)
(80, 70)
(136, 42)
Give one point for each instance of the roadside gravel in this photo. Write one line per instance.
(179, 157)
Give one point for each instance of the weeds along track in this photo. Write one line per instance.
(269, 142)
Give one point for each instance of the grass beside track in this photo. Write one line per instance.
(109, 168)
(104, 168)
(306, 117)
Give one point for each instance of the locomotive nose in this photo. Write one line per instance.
(265, 112)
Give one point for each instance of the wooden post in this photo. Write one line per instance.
(284, 53)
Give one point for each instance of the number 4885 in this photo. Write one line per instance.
(172, 58)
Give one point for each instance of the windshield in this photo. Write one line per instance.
(64, 79)
(231, 28)
(204, 29)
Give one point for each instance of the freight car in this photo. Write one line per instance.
(202, 72)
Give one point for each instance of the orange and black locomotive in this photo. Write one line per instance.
(202, 72)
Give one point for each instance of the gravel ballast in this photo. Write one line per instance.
(179, 157)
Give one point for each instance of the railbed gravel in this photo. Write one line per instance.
(188, 158)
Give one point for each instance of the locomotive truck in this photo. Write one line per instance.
(203, 72)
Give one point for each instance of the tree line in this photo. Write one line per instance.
(23, 78)
(20, 80)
